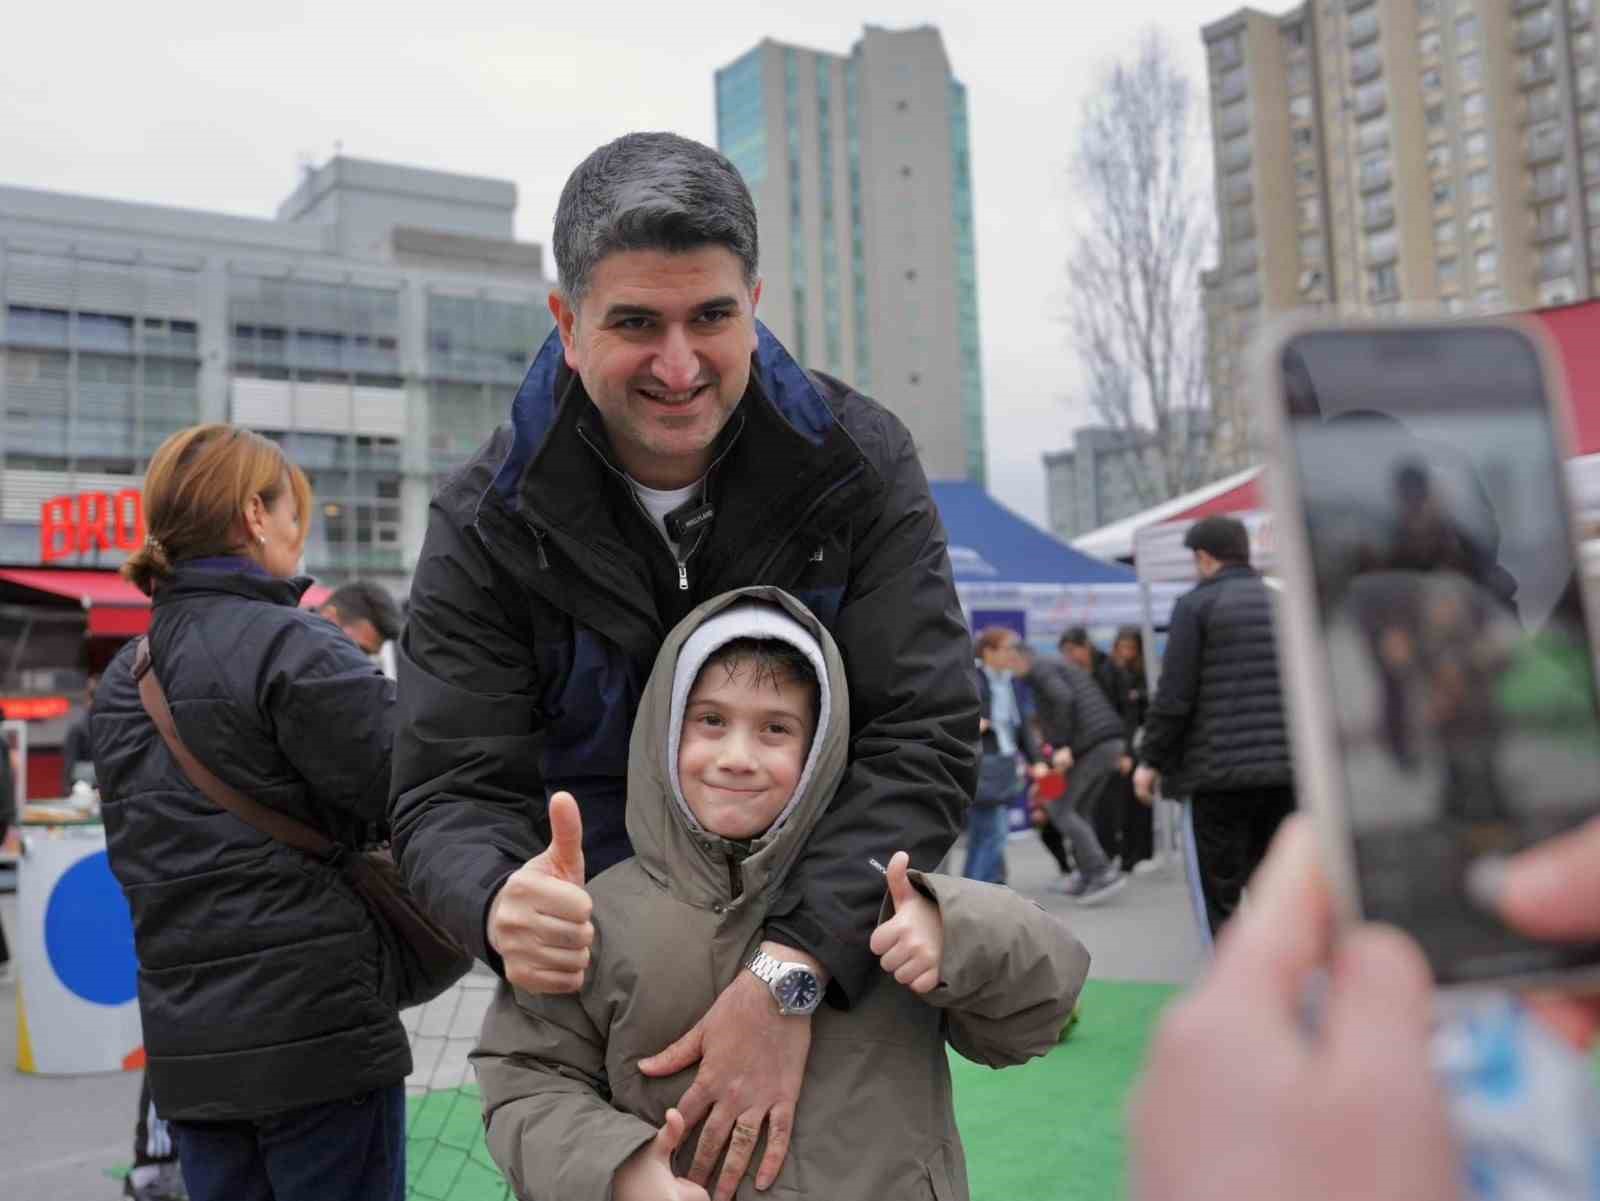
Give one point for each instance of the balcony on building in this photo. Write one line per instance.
(1535, 29)
(1537, 68)
(1543, 108)
(1521, 6)
(1363, 26)
(1549, 185)
(1556, 262)
(1365, 64)
(1237, 187)
(1579, 12)
(1545, 143)
(1377, 213)
(1370, 103)
(1232, 86)
(1235, 120)
(1551, 226)
(1375, 175)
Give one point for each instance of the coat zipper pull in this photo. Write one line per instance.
(538, 545)
(683, 576)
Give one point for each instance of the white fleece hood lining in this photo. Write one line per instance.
(747, 619)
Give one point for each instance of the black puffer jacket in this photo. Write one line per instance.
(1073, 710)
(263, 983)
(543, 595)
(1217, 722)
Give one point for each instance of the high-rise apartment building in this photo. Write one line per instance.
(1372, 154)
(862, 178)
(378, 328)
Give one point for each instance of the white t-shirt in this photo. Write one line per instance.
(658, 504)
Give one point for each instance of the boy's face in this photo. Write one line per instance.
(743, 747)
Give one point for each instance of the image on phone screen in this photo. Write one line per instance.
(1449, 609)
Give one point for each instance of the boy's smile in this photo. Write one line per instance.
(744, 745)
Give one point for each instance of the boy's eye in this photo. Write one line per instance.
(710, 719)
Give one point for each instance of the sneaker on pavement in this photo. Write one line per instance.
(1106, 884)
(1147, 867)
(164, 1184)
(1069, 883)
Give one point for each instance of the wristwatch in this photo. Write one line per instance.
(794, 986)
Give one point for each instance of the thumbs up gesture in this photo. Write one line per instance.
(647, 1174)
(910, 945)
(539, 921)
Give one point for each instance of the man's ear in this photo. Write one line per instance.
(566, 316)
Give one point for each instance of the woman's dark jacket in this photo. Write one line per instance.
(263, 983)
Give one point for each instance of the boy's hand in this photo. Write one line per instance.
(539, 921)
(647, 1174)
(1146, 780)
(910, 945)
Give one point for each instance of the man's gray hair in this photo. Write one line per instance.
(651, 191)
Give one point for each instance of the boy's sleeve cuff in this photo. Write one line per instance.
(849, 969)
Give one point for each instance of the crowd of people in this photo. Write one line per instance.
(686, 717)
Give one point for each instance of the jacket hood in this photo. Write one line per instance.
(694, 865)
(549, 381)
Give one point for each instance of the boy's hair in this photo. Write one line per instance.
(1073, 636)
(771, 661)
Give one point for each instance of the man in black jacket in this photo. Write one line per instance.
(1216, 727)
(1079, 723)
(664, 448)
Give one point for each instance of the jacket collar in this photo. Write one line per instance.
(1233, 571)
(229, 577)
(785, 468)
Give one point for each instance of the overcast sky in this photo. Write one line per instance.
(214, 106)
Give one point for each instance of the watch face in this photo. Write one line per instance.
(798, 990)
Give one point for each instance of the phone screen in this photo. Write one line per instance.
(1452, 620)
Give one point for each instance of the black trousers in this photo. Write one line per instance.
(1232, 831)
(1056, 845)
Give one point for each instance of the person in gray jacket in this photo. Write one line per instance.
(742, 735)
(1078, 721)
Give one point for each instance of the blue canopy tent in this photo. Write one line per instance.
(1011, 573)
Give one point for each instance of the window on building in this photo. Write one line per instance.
(1477, 185)
(1228, 51)
(1439, 157)
(1427, 9)
(1303, 136)
(1550, 179)
(1383, 248)
(1300, 108)
(1311, 248)
(1372, 135)
(1294, 35)
(1473, 104)
(1466, 29)
(1310, 210)
(1370, 99)
(1434, 115)
(1589, 125)
(1591, 164)
(1305, 175)
(1443, 191)
(1444, 232)
(1481, 225)
(1476, 143)
(1383, 282)
(1430, 44)
(1471, 68)
(1449, 273)
(1299, 77)
(1485, 261)
(1551, 219)
(1432, 79)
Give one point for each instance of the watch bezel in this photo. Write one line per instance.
(791, 972)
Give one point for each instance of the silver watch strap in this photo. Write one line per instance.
(764, 966)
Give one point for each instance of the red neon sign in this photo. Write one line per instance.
(34, 708)
(72, 525)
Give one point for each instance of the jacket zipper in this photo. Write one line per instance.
(734, 880)
(682, 560)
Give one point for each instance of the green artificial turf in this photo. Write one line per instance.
(1051, 1130)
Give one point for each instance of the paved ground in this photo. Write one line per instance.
(60, 1137)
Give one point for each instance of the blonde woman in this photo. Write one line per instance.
(273, 1044)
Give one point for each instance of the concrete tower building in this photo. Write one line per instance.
(861, 173)
(1372, 154)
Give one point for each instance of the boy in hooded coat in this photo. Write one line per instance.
(564, 1101)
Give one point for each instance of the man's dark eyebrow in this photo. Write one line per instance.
(618, 312)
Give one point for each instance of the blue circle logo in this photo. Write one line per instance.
(88, 934)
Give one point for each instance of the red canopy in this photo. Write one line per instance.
(1576, 332)
(1239, 499)
(116, 608)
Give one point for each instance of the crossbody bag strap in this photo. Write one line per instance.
(270, 822)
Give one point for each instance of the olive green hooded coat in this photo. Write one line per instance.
(564, 1101)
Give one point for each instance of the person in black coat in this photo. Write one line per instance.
(266, 988)
(1216, 728)
(8, 818)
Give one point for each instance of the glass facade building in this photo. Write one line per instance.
(866, 221)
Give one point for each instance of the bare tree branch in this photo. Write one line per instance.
(1136, 319)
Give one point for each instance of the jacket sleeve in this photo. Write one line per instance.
(1168, 720)
(550, 1124)
(1011, 972)
(466, 777)
(333, 717)
(914, 729)
(1060, 702)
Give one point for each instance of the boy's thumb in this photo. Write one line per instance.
(565, 853)
(670, 1135)
(901, 889)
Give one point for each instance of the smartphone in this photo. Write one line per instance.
(1434, 639)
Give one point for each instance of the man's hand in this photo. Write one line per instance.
(752, 1060)
(1062, 760)
(1552, 891)
(910, 945)
(983, 725)
(647, 1174)
(1146, 780)
(539, 921)
(1353, 1109)
(1038, 771)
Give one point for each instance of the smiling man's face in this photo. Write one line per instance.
(662, 342)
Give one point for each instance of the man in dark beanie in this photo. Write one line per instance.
(1216, 728)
